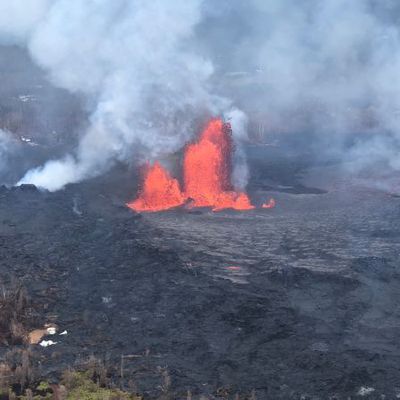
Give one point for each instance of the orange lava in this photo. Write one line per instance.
(159, 192)
(207, 167)
(269, 204)
(233, 268)
(207, 170)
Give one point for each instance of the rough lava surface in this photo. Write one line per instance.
(300, 300)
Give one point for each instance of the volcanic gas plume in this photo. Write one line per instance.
(207, 169)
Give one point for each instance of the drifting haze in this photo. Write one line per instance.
(7, 146)
(150, 71)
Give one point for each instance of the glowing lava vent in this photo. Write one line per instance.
(207, 170)
(159, 191)
(207, 181)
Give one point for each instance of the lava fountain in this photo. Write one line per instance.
(207, 170)
(159, 191)
(207, 167)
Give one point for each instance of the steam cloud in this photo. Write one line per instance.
(150, 69)
(133, 61)
(7, 146)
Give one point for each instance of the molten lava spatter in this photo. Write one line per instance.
(159, 192)
(207, 170)
(207, 167)
(269, 204)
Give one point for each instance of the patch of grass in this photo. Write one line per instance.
(21, 379)
(74, 386)
(79, 386)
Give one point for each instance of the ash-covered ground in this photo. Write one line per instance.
(301, 301)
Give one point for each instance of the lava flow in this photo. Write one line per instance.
(207, 167)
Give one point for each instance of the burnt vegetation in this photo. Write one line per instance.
(16, 315)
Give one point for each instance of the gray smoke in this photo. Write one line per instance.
(133, 60)
(150, 70)
(7, 147)
(331, 68)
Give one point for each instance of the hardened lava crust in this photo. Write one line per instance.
(298, 300)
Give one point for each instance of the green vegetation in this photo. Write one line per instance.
(74, 386)
(21, 379)
(78, 385)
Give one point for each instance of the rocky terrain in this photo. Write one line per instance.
(300, 301)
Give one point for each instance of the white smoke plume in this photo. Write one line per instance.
(18, 19)
(149, 69)
(239, 124)
(328, 67)
(7, 147)
(134, 63)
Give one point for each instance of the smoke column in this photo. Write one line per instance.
(149, 69)
(7, 147)
(133, 61)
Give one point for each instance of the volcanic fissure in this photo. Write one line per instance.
(207, 181)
